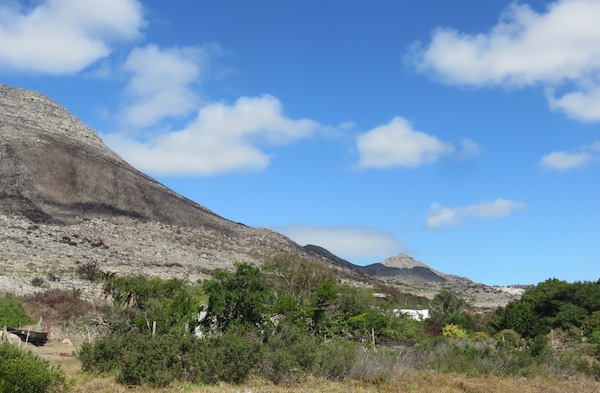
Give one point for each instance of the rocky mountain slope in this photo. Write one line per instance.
(66, 200)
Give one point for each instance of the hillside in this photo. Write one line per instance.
(66, 200)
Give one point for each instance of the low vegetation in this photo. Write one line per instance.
(22, 371)
(12, 312)
(292, 322)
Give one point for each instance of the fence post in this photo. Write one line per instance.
(27, 338)
(153, 328)
(5, 336)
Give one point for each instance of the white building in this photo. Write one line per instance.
(417, 315)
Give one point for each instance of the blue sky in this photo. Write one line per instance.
(463, 133)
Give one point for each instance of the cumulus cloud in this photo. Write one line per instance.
(162, 83)
(440, 216)
(222, 138)
(64, 36)
(352, 243)
(398, 144)
(559, 45)
(583, 105)
(562, 161)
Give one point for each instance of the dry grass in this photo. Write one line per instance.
(403, 381)
(413, 381)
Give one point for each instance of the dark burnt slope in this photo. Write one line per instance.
(53, 167)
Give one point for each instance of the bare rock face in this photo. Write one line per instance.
(54, 169)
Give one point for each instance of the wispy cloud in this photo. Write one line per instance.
(222, 138)
(562, 161)
(398, 144)
(440, 216)
(527, 48)
(352, 243)
(64, 36)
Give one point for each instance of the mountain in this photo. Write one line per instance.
(407, 274)
(58, 177)
(67, 201)
(54, 169)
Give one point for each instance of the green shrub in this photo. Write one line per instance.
(476, 359)
(104, 355)
(374, 366)
(155, 361)
(480, 336)
(237, 354)
(594, 337)
(22, 371)
(141, 301)
(12, 313)
(335, 360)
(141, 359)
(290, 353)
(509, 337)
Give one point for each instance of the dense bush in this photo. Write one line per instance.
(22, 371)
(238, 297)
(549, 305)
(140, 301)
(158, 361)
(12, 313)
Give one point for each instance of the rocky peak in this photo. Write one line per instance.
(25, 114)
(403, 261)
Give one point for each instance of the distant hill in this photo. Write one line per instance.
(411, 276)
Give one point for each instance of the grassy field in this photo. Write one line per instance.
(63, 355)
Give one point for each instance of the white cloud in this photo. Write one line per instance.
(398, 144)
(222, 138)
(583, 105)
(560, 45)
(440, 216)
(64, 36)
(352, 243)
(162, 83)
(562, 161)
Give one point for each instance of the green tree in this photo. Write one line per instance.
(143, 300)
(520, 317)
(236, 297)
(446, 302)
(550, 304)
(570, 315)
(296, 278)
